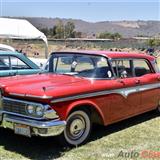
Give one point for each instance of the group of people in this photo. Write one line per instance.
(35, 54)
(149, 51)
(153, 52)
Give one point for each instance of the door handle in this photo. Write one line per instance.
(121, 81)
(137, 81)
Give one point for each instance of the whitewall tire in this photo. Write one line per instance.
(78, 128)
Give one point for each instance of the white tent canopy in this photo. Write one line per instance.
(21, 29)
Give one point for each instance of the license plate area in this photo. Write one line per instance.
(22, 130)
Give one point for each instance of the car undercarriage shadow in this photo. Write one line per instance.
(49, 148)
(99, 131)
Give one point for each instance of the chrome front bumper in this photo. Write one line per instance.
(37, 127)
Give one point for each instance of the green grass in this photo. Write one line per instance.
(135, 134)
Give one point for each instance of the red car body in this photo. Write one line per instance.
(109, 100)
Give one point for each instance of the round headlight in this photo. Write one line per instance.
(39, 110)
(30, 109)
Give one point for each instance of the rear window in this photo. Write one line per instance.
(122, 68)
(141, 67)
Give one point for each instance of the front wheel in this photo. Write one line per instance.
(78, 128)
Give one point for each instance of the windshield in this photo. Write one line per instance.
(82, 65)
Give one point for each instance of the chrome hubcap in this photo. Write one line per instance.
(77, 128)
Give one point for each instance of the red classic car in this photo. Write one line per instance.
(79, 89)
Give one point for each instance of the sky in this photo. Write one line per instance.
(91, 10)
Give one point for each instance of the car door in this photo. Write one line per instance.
(5, 66)
(149, 84)
(20, 67)
(127, 96)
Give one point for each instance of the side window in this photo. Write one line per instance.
(16, 63)
(4, 63)
(123, 68)
(141, 67)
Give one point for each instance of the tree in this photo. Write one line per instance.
(108, 35)
(52, 31)
(105, 35)
(59, 30)
(117, 36)
(45, 31)
(69, 30)
(153, 42)
(77, 34)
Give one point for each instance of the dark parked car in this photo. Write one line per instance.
(13, 63)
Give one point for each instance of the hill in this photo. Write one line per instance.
(126, 28)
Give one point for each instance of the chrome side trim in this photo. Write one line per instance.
(30, 96)
(125, 92)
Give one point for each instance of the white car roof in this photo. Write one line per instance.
(4, 47)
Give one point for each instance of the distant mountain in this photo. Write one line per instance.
(126, 28)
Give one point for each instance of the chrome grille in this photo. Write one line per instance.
(14, 107)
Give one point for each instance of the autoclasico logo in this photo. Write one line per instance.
(140, 154)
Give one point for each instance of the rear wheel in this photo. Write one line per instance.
(78, 128)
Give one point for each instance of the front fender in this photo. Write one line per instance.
(90, 103)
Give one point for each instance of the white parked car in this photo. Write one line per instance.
(4, 47)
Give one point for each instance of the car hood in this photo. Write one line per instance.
(46, 86)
